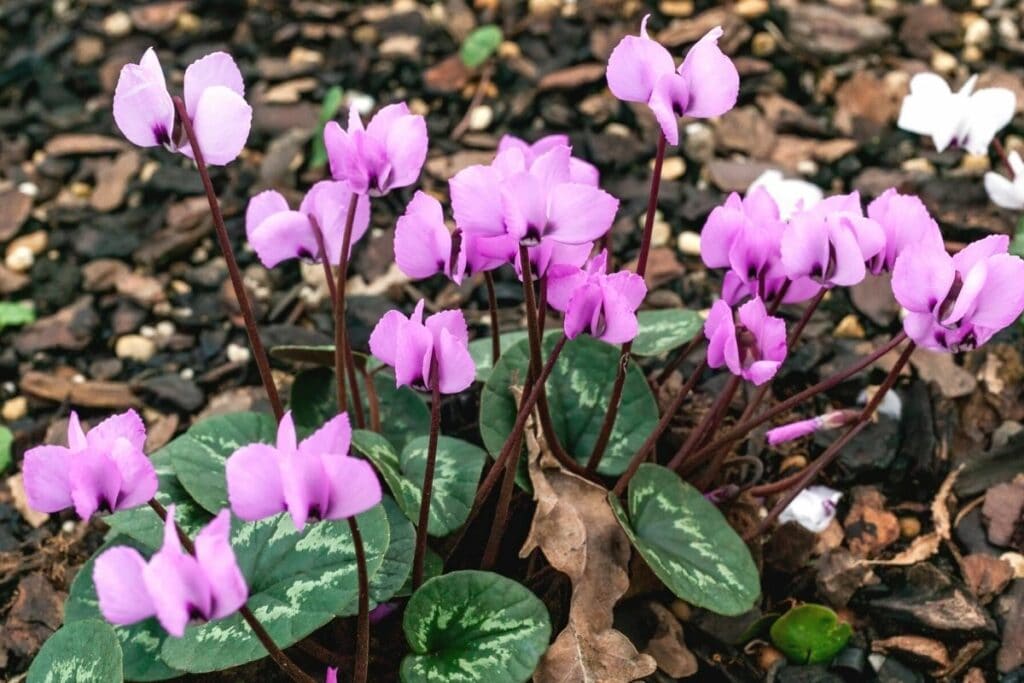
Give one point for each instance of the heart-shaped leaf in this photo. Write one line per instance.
(403, 414)
(480, 45)
(687, 542)
(664, 330)
(83, 652)
(456, 475)
(198, 455)
(474, 626)
(810, 634)
(483, 354)
(578, 391)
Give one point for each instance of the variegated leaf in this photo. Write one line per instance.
(578, 391)
(81, 652)
(473, 626)
(664, 330)
(198, 455)
(396, 567)
(456, 475)
(403, 414)
(687, 542)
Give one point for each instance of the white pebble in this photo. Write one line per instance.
(238, 354)
(689, 243)
(187, 373)
(481, 117)
(136, 347)
(20, 259)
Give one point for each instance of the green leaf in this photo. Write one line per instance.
(396, 567)
(687, 542)
(329, 108)
(578, 392)
(810, 634)
(198, 455)
(141, 642)
(82, 652)
(664, 330)
(317, 355)
(16, 314)
(297, 583)
(480, 351)
(473, 626)
(1017, 244)
(480, 45)
(6, 439)
(403, 414)
(456, 475)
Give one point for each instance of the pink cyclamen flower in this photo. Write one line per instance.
(831, 242)
(957, 303)
(176, 587)
(332, 675)
(706, 84)
(412, 345)
(746, 236)
(102, 470)
(314, 479)
(580, 171)
(214, 98)
(595, 302)
(801, 428)
(387, 154)
(906, 223)
(754, 349)
(277, 233)
(530, 202)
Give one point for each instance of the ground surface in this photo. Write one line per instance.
(134, 309)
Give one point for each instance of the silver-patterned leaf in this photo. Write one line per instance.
(687, 542)
(473, 626)
(84, 651)
(664, 330)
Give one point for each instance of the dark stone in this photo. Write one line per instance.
(173, 389)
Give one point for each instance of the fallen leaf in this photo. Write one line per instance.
(575, 528)
(667, 645)
(986, 575)
(1003, 511)
(931, 652)
(870, 528)
(35, 519)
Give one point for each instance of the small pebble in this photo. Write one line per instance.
(682, 610)
(673, 168)
(768, 658)
(849, 328)
(68, 526)
(35, 241)
(793, 462)
(20, 259)
(481, 117)
(975, 164)
(237, 353)
(910, 527)
(29, 188)
(14, 409)
(165, 329)
(135, 347)
(943, 62)
(676, 8)
(1016, 561)
(699, 142)
(763, 44)
(978, 32)
(187, 373)
(117, 25)
(661, 233)
(918, 165)
(750, 9)
(688, 243)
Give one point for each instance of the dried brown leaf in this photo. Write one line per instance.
(575, 528)
(668, 647)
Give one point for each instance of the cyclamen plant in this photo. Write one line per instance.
(300, 520)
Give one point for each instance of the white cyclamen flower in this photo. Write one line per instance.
(1007, 193)
(790, 194)
(813, 509)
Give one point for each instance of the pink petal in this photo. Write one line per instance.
(406, 149)
(453, 321)
(176, 586)
(635, 65)
(423, 244)
(580, 213)
(138, 478)
(1002, 301)
(583, 172)
(720, 331)
(713, 79)
(524, 206)
(551, 252)
(143, 109)
(620, 320)
(552, 167)
(563, 281)
(630, 286)
(46, 476)
(334, 437)
(455, 367)
(761, 371)
(254, 482)
(213, 70)
(354, 486)
(973, 284)
(120, 587)
(385, 119)
(261, 207)
(217, 561)
(221, 121)
(305, 486)
(282, 236)
(95, 482)
(328, 202)
(849, 260)
(76, 436)
(669, 98)
(414, 346)
(512, 142)
(476, 201)
(980, 250)
(343, 157)
(720, 231)
(585, 305)
(921, 279)
(805, 246)
(332, 676)
(383, 339)
(286, 441)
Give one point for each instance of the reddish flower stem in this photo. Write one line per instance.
(1001, 151)
(641, 269)
(244, 304)
(706, 425)
(492, 305)
(803, 478)
(428, 476)
(341, 349)
(360, 671)
(674, 364)
(279, 657)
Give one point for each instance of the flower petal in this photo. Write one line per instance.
(578, 214)
(354, 486)
(989, 110)
(46, 476)
(714, 83)
(138, 478)
(334, 437)
(476, 200)
(217, 561)
(922, 278)
(383, 339)
(282, 236)
(215, 69)
(414, 345)
(406, 149)
(254, 482)
(143, 109)
(423, 245)
(455, 367)
(635, 65)
(120, 587)
(563, 281)
(453, 321)
(1002, 300)
(221, 121)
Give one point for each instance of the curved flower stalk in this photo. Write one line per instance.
(957, 303)
(706, 84)
(277, 233)
(214, 100)
(754, 349)
(1007, 192)
(104, 470)
(313, 479)
(600, 304)
(174, 586)
(385, 155)
(790, 194)
(968, 118)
